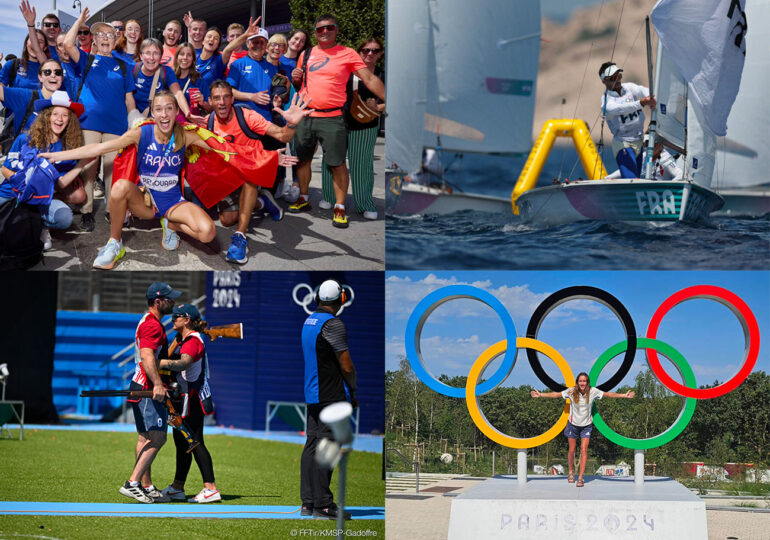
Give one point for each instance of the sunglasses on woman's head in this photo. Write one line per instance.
(57, 72)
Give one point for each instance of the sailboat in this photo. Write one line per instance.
(742, 171)
(687, 123)
(464, 80)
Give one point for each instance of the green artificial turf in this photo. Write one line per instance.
(75, 466)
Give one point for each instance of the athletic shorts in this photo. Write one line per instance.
(150, 415)
(574, 432)
(330, 132)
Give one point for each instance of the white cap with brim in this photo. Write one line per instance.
(329, 291)
(610, 71)
(262, 33)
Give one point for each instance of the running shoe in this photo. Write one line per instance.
(306, 510)
(324, 204)
(45, 237)
(340, 220)
(206, 496)
(330, 513)
(370, 214)
(98, 188)
(87, 223)
(111, 253)
(174, 494)
(156, 496)
(302, 205)
(270, 206)
(170, 239)
(239, 246)
(135, 492)
(292, 194)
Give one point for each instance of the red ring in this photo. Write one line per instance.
(738, 307)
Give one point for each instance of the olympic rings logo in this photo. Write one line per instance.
(628, 348)
(310, 295)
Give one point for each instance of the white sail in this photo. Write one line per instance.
(408, 37)
(701, 146)
(482, 96)
(706, 40)
(671, 94)
(743, 158)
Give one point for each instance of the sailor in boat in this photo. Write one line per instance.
(623, 107)
(664, 165)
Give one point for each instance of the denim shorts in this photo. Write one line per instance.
(574, 432)
(150, 415)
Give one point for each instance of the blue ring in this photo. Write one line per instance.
(421, 313)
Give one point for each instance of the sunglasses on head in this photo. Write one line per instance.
(371, 51)
(83, 32)
(325, 28)
(57, 72)
(51, 24)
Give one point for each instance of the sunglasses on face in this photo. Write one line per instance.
(83, 32)
(371, 51)
(175, 316)
(325, 28)
(57, 72)
(51, 24)
(119, 28)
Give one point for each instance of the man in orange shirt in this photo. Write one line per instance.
(324, 77)
(226, 123)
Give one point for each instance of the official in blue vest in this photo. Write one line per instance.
(329, 377)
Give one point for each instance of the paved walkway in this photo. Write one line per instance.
(425, 516)
(306, 241)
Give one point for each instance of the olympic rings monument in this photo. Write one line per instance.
(613, 507)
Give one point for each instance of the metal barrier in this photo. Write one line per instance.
(414, 464)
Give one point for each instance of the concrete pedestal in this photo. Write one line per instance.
(550, 507)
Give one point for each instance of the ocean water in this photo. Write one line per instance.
(480, 240)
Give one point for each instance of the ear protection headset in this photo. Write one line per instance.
(341, 294)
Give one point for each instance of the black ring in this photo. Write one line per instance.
(588, 293)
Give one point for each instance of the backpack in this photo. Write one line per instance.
(238, 110)
(8, 134)
(20, 228)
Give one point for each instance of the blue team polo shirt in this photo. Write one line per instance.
(144, 82)
(289, 62)
(210, 70)
(127, 58)
(248, 75)
(104, 94)
(25, 78)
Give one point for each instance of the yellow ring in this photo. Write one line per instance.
(472, 400)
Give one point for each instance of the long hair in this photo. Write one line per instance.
(576, 389)
(120, 46)
(308, 43)
(25, 52)
(192, 70)
(40, 133)
(178, 130)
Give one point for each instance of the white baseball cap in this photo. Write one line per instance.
(610, 71)
(262, 33)
(329, 291)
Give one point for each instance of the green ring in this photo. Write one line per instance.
(684, 417)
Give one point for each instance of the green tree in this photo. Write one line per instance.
(358, 19)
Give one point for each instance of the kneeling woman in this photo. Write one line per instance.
(55, 128)
(160, 158)
(192, 376)
(581, 423)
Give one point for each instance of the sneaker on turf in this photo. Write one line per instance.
(324, 204)
(170, 239)
(239, 246)
(135, 492)
(302, 205)
(87, 223)
(206, 496)
(270, 206)
(174, 494)
(330, 513)
(45, 237)
(340, 220)
(109, 255)
(306, 510)
(156, 496)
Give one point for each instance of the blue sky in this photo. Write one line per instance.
(704, 331)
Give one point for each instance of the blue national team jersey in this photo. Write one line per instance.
(159, 167)
(311, 331)
(127, 58)
(210, 70)
(104, 94)
(289, 62)
(25, 78)
(249, 75)
(143, 84)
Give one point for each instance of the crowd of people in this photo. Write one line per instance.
(81, 97)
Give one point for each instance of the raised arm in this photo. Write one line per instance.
(70, 40)
(96, 149)
(628, 394)
(237, 43)
(538, 394)
(296, 112)
(29, 14)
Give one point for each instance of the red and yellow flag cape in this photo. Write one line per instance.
(213, 174)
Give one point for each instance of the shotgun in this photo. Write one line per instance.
(232, 331)
(173, 417)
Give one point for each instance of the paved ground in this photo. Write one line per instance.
(425, 516)
(298, 242)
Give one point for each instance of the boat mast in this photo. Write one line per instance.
(653, 113)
